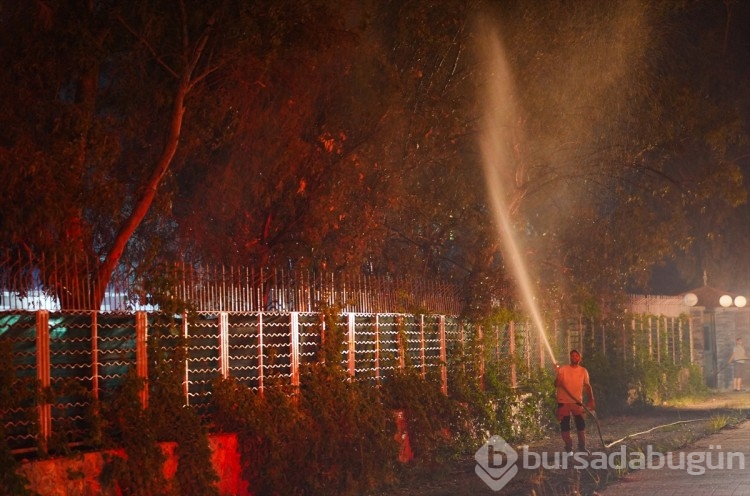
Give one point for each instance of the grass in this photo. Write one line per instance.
(719, 421)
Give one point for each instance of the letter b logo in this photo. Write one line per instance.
(496, 463)
(496, 457)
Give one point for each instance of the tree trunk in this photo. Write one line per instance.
(106, 269)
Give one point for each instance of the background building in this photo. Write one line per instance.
(717, 319)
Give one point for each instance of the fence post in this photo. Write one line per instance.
(497, 343)
(422, 345)
(141, 358)
(294, 349)
(377, 348)
(261, 386)
(224, 344)
(43, 376)
(658, 340)
(351, 325)
(463, 344)
(541, 348)
(480, 342)
(556, 337)
(186, 376)
(581, 337)
(527, 346)
(443, 357)
(401, 345)
(512, 350)
(95, 354)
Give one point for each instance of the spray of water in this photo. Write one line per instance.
(500, 140)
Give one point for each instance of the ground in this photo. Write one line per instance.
(664, 428)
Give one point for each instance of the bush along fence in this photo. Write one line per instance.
(315, 398)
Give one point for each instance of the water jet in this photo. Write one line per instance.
(499, 143)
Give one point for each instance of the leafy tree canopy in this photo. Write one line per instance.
(346, 136)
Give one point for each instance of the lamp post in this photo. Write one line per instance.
(726, 301)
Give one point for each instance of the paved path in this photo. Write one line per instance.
(716, 482)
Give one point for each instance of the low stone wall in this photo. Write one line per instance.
(79, 475)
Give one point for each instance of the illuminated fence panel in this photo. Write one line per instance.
(432, 344)
(671, 350)
(681, 333)
(71, 376)
(412, 332)
(593, 337)
(277, 339)
(453, 330)
(18, 331)
(366, 352)
(464, 344)
(388, 332)
(454, 345)
(167, 331)
(116, 351)
(342, 328)
(523, 344)
(499, 337)
(572, 336)
(244, 348)
(203, 365)
(85, 355)
(640, 339)
(309, 336)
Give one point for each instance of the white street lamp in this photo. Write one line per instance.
(690, 299)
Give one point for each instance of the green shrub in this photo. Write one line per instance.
(140, 431)
(14, 394)
(332, 436)
(432, 418)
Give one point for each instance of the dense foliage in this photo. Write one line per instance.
(346, 135)
(139, 432)
(332, 434)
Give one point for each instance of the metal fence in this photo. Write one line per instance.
(66, 284)
(80, 358)
(94, 351)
